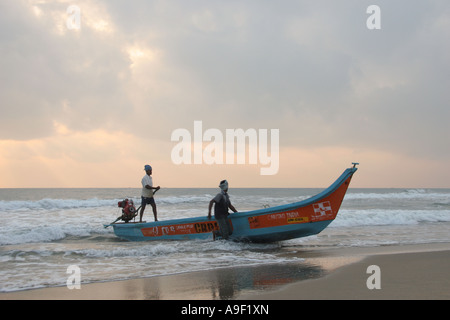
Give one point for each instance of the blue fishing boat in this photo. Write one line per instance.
(284, 222)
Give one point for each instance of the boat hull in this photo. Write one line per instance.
(296, 220)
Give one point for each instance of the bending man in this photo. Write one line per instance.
(222, 203)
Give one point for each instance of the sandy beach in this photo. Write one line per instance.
(413, 275)
(404, 272)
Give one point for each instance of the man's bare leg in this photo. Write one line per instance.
(142, 212)
(154, 211)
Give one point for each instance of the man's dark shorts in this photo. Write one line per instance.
(147, 201)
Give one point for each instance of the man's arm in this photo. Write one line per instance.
(209, 208)
(232, 208)
(148, 187)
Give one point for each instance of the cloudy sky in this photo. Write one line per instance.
(89, 107)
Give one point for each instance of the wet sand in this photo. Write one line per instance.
(405, 272)
(402, 276)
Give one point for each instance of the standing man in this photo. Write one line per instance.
(147, 192)
(222, 203)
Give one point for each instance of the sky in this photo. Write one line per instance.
(89, 102)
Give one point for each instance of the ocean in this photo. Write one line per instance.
(45, 231)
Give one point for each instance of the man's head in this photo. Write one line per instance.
(223, 185)
(148, 169)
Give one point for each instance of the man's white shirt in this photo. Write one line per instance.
(147, 180)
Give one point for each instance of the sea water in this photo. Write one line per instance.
(45, 231)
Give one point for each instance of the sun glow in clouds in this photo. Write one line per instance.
(140, 55)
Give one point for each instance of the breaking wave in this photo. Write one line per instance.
(379, 217)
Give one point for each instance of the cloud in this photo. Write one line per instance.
(145, 68)
(47, 70)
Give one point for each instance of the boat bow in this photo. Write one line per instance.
(295, 220)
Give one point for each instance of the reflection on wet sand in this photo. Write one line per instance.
(220, 284)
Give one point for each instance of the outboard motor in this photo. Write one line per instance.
(128, 209)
